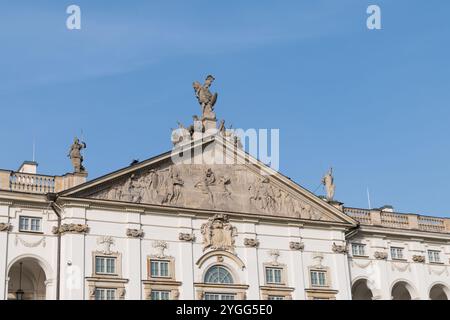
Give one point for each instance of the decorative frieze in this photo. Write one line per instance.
(186, 236)
(5, 226)
(296, 245)
(380, 255)
(339, 248)
(135, 233)
(418, 259)
(251, 243)
(71, 228)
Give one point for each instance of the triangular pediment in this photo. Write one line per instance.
(236, 183)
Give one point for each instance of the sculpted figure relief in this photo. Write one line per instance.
(218, 233)
(172, 187)
(262, 195)
(205, 98)
(75, 155)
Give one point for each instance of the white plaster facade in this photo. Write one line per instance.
(133, 233)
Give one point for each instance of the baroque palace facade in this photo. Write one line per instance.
(177, 227)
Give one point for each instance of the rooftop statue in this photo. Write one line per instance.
(75, 155)
(206, 99)
(328, 182)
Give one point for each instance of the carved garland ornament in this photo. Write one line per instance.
(135, 233)
(30, 244)
(418, 259)
(72, 228)
(296, 245)
(218, 233)
(251, 243)
(339, 248)
(5, 226)
(380, 255)
(186, 236)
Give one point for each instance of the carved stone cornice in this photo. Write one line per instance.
(135, 233)
(296, 246)
(71, 228)
(186, 236)
(418, 259)
(380, 255)
(251, 243)
(5, 227)
(338, 248)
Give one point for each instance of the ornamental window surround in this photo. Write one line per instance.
(434, 256)
(358, 250)
(397, 253)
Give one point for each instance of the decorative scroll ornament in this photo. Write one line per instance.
(418, 259)
(296, 245)
(160, 247)
(5, 226)
(251, 243)
(72, 228)
(218, 233)
(30, 244)
(380, 255)
(106, 242)
(186, 236)
(135, 233)
(339, 248)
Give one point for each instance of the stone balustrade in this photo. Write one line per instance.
(38, 183)
(399, 220)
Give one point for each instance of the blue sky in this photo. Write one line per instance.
(372, 104)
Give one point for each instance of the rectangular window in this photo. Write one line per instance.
(219, 296)
(275, 298)
(105, 265)
(318, 278)
(159, 268)
(273, 275)
(30, 224)
(358, 249)
(160, 295)
(434, 256)
(397, 253)
(105, 294)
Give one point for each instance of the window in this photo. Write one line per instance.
(159, 268)
(318, 278)
(358, 249)
(434, 256)
(218, 274)
(275, 298)
(30, 224)
(160, 295)
(219, 296)
(396, 253)
(273, 275)
(105, 294)
(105, 265)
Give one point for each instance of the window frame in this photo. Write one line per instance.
(106, 258)
(437, 253)
(231, 276)
(272, 270)
(221, 295)
(159, 274)
(159, 293)
(318, 271)
(29, 220)
(106, 290)
(358, 254)
(170, 268)
(397, 249)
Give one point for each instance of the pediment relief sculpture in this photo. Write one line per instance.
(218, 233)
(216, 187)
(71, 228)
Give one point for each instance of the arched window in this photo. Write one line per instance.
(218, 274)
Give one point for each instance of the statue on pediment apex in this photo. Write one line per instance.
(205, 98)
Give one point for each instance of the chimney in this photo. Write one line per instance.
(28, 167)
